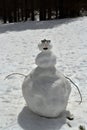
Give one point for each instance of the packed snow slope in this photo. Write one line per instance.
(18, 50)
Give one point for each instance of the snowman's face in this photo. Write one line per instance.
(45, 46)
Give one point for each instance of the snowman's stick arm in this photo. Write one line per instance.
(76, 87)
(14, 74)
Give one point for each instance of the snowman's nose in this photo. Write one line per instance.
(45, 48)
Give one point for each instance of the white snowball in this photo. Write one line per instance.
(45, 59)
(46, 91)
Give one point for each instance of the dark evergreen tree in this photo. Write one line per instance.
(21, 10)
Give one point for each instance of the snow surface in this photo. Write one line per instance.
(18, 49)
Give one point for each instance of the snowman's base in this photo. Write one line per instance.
(69, 117)
(66, 114)
(46, 92)
(48, 117)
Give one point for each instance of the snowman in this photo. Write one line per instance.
(45, 89)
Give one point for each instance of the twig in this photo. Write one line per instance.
(76, 87)
(68, 123)
(14, 74)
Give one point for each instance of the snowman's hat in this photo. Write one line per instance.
(45, 41)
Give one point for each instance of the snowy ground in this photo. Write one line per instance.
(18, 49)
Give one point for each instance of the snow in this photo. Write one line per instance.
(18, 49)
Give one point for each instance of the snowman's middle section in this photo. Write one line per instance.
(45, 59)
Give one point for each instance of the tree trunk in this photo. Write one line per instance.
(42, 14)
(15, 11)
(4, 11)
(56, 13)
(49, 13)
(32, 15)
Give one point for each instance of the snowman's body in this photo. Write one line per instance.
(45, 89)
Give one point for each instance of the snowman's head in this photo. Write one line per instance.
(45, 45)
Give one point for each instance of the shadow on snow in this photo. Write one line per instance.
(30, 121)
(34, 25)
